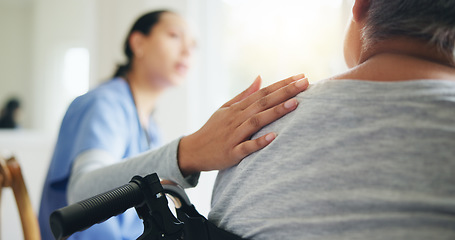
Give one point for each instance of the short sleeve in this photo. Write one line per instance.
(102, 125)
(93, 121)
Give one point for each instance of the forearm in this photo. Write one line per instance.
(221, 143)
(94, 172)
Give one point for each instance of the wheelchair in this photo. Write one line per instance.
(149, 197)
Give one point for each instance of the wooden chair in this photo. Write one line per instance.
(11, 176)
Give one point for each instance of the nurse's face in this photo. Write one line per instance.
(164, 54)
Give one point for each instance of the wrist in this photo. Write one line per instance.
(186, 156)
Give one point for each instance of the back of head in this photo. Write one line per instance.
(429, 20)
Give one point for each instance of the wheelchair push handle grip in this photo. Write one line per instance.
(82, 215)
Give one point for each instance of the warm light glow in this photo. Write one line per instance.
(277, 39)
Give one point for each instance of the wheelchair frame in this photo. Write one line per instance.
(148, 196)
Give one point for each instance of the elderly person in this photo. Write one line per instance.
(370, 153)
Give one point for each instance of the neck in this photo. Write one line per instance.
(414, 48)
(145, 97)
(400, 60)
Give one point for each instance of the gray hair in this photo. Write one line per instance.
(429, 20)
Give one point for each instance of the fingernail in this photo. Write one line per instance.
(290, 103)
(269, 137)
(298, 76)
(301, 83)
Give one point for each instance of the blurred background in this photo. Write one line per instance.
(52, 51)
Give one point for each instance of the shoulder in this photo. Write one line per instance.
(114, 90)
(110, 97)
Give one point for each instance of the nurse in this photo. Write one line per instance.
(108, 134)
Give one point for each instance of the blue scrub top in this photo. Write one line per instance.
(104, 118)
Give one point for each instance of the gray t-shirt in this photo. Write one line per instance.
(356, 160)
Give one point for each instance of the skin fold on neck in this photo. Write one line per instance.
(400, 59)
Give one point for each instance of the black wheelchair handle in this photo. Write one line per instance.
(82, 215)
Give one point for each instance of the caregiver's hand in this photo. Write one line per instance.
(225, 139)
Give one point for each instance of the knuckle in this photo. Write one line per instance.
(244, 150)
(277, 110)
(258, 143)
(254, 121)
(263, 102)
(234, 107)
(230, 122)
(289, 90)
(264, 92)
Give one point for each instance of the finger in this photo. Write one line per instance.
(268, 90)
(167, 182)
(246, 148)
(274, 99)
(254, 87)
(259, 120)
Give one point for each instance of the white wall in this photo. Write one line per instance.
(57, 27)
(15, 63)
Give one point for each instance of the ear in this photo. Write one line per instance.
(360, 10)
(136, 41)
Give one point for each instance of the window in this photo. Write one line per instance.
(277, 39)
(76, 72)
